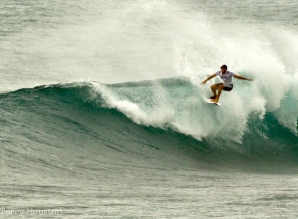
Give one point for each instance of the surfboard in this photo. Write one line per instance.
(209, 101)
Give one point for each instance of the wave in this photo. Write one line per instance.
(162, 122)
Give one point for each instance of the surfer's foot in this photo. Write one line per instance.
(214, 100)
(213, 97)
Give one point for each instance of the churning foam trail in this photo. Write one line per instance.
(264, 53)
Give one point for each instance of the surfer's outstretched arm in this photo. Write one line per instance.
(242, 78)
(211, 76)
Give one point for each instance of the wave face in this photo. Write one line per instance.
(164, 122)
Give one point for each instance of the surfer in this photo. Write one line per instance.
(227, 78)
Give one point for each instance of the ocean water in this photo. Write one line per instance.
(103, 114)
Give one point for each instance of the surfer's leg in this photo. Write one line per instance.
(220, 88)
(214, 88)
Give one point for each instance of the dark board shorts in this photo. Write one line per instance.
(226, 88)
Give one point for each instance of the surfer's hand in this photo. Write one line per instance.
(248, 79)
(203, 82)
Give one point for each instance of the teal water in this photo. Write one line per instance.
(103, 114)
(69, 153)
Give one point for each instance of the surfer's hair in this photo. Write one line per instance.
(224, 66)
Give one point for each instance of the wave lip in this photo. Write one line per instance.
(180, 103)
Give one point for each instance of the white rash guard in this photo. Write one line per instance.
(227, 78)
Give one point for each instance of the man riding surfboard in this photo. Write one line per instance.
(227, 78)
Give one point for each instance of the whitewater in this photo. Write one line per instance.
(103, 114)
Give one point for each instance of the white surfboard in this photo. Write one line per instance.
(209, 101)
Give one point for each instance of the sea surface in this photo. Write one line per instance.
(103, 114)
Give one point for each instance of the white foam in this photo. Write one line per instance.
(193, 45)
(157, 116)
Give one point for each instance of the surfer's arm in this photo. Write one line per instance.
(210, 77)
(242, 78)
